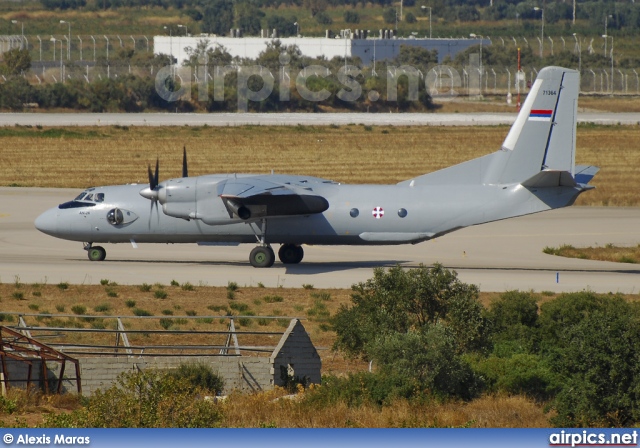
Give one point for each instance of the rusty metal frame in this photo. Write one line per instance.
(19, 347)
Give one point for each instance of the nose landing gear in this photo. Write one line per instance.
(95, 253)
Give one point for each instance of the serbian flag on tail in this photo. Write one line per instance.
(540, 115)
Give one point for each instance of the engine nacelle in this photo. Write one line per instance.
(194, 198)
(178, 197)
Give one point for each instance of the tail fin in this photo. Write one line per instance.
(543, 136)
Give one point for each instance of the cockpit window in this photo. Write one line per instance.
(84, 199)
(75, 204)
(84, 196)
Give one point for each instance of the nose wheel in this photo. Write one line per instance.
(95, 253)
(262, 257)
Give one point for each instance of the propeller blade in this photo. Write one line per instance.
(185, 171)
(156, 177)
(152, 185)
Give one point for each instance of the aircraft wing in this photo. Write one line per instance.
(253, 198)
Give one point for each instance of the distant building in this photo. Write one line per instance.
(351, 44)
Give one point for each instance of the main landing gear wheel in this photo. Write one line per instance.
(96, 253)
(290, 254)
(262, 257)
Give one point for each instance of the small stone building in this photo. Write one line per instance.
(295, 356)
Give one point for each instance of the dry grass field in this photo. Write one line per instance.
(184, 307)
(608, 252)
(82, 157)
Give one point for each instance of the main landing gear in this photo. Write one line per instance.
(95, 253)
(263, 256)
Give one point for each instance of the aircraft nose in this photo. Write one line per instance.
(48, 222)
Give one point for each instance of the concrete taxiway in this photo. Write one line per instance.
(498, 256)
(289, 119)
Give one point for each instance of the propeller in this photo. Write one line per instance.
(152, 192)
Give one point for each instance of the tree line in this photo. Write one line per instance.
(324, 86)
(219, 16)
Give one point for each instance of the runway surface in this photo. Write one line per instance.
(288, 119)
(497, 256)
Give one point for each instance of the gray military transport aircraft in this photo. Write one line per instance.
(534, 171)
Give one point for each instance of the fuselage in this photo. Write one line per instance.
(357, 215)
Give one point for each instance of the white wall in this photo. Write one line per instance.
(251, 47)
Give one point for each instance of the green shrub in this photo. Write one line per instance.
(160, 294)
(8, 406)
(205, 320)
(245, 322)
(145, 287)
(141, 313)
(188, 287)
(232, 286)
(60, 308)
(523, 374)
(79, 309)
(174, 283)
(34, 306)
(18, 295)
(145, 399)
(239, 307)
(218, 308)
(102, 307)
(104, 282)
(166, 323)
(321, 295)
(63, 285)
(130, 303)
(592, 342)
(200, 376)
(273, 299)
(191, 313)
(283, 322)
(307, 286)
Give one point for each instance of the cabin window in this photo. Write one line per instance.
(354, 212)
(402, 212)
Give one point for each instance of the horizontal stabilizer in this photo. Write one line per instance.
(584, 173)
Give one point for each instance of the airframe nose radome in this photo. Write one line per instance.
(48, 222)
